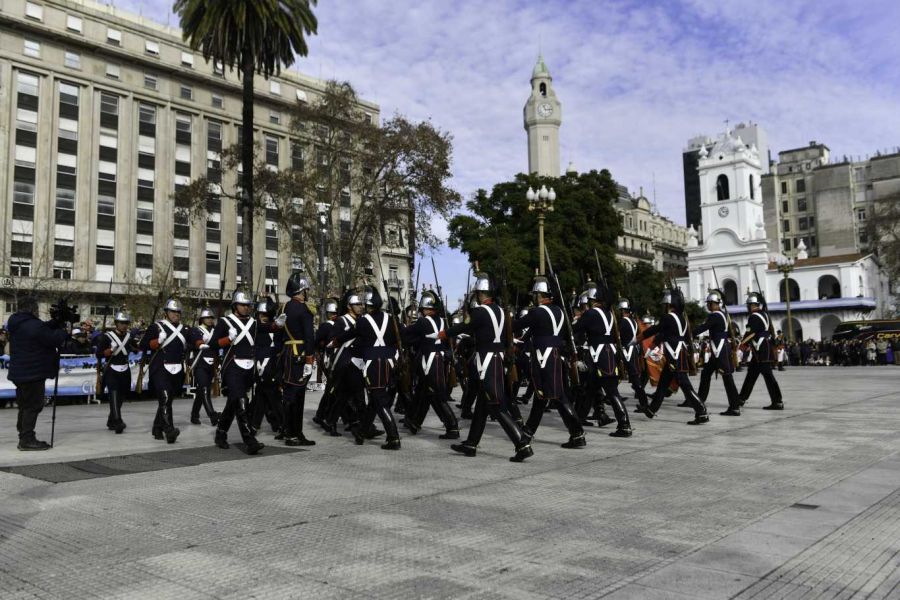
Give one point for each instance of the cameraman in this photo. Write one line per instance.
(33, 359)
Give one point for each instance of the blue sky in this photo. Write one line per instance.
(636, 79)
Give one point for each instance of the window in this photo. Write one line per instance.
(23, 192)
(113, 36)
(812, 222)
(786, 225)
(34, 11)
(784, 206)
(861, 214)
(863, 236)
(275, 117)
(802, 223)
(20, 268)
(106, 205)
(150, 81)
(32, 49)
(112, 71)
(296, 156)
(722, 192)
(151, 48)
(105, 255)
(784, 187)
(73, 23)
(801, 186)
(801, 204)
(187, 59)
(217, 101)
(786, 245)
(272, 151)
(147, 114)
(752, 188)
(73, 60)
(214, 136)
(187, 92)
(218, 68)
(275, 88)
(60, 272)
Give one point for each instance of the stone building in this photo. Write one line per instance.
(648, 236)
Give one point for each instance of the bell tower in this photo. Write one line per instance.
(543, 116)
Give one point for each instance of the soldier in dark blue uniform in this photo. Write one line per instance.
(545, 322)
(297, 358)
(631, 354)
(431, 361)
(673, 332)
(326, 360)
(346, 381)
(759, 335)
(203, 367)
(165, 339)
(114, 347)
(598, 323)
(487, 325)
(266, 395)
(236, 334)
(720, 359)
(465, 365)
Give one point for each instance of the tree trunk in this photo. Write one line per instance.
(246, 206)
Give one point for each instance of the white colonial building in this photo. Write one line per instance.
(736, 255)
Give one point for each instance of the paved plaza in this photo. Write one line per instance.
(803, 503)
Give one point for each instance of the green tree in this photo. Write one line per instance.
(250, 36)
(644, 286)
(502, 234)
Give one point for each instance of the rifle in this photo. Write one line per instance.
(100, 370)
(403, 376)
(216, 380)
(139, 384)
(729, 323)
(620, 355)
(573, 348)
(453, 375)
(692, 364)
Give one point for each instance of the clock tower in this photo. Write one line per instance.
(543, 115)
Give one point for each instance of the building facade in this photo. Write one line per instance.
(826, 204)
(733, 252)
(648, 236)
(103, 115)
(542, 116)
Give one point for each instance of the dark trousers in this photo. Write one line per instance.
(349, 394)
(167, 386)
(203, 378)
(238, 381)
(753, 372)
(117, 384)
(684, 383)
(30, 398)
(727, 380)
(432, 391)
(549, 386)
(491, 400)
(267, 403)
(637, 384)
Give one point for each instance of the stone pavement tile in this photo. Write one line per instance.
(802, 523)
(696, 581)
(639, 592)
(748, 552)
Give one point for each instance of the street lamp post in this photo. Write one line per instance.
(323, 232)
(785, 266)
(542, 202)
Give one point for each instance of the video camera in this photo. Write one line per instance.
(62, 312)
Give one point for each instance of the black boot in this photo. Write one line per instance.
(464, 449)
(172, 434)
(32, 443)
(252, 444)
(222, 439)
(208, 406)
(390, 427)
(115, 414)
(603, 417)
(575, 442)
(522, 452)
(623, 425)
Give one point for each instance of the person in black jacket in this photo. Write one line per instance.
(720, 356)
(33, 358)
(487, 325)
(114, 347)
(759, 335)
(166, 342)
(203, 367)
(346, 381)
(266, 395)
(236, 333)
(632, 354)
(545, 323)
(297, 357)
(326, 361)
(431, 365)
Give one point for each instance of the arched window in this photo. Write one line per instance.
(543, 89)
(722, 192)
(730, 292)
(828, 324)
(752, 188)
(794, 290)
(797, 329)
(829, 287)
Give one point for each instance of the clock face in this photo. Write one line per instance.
(723, 211)
(545, 109)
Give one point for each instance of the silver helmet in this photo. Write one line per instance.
(714, 296)
(482, 282)
(331, 305)
(753, 298)
(296, 284)
(590, 293)
(206, 313)
(648, 320)
(122, 316)
(583, 298)
(429, 300)
(354, 298)
(172, 305)
(624, 304)
(541, 286)
(666, 297)
(241, 297)
(265, 306)
(457, 318)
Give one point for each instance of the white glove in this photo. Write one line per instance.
(203, 347)
(162, 337)
(307, 370)
(582, 368)
(232, 333)
(432, 336)
(280, 320)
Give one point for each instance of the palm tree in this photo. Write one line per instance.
(251, 36)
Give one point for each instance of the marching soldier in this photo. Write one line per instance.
(236, 333)
(672, 332)
(346, 382)
(524, 350)
(430, 361)
(326, 360)
(114, 346)
(486, 325)
(759, 335)
(598, 323)
(720, 354)
(632, 355)
(465, 369)
(203, 367)
(165, 339)
(266, 395)
(545, 323)
(297, 356)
